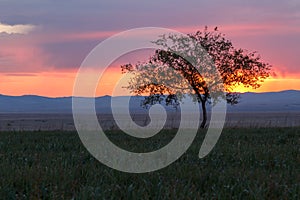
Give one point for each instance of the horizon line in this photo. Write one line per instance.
(57, 97)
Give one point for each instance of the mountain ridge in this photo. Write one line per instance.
(283, 101)
(61, 97)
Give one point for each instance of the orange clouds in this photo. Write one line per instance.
(25, 66)
(61, 84)
(44, 84)
(54, 84)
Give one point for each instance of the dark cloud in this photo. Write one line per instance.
(118, 14)
(68, 54)
(53, 17)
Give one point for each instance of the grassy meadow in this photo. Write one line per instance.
(252, 163)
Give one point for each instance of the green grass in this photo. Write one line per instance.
(245, 164)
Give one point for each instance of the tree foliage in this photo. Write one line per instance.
(196, 65)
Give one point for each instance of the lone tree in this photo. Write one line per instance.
(206, 60)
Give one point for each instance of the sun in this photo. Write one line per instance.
(242, 89)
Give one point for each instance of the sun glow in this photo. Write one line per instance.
(272, 85)
(57, 84)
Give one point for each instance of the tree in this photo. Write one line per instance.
(206, 60)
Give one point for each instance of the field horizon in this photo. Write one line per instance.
(33, 113)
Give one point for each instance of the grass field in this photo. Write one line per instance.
(245, 164)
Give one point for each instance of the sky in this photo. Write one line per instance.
(44, 42)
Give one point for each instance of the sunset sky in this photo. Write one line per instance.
(43, 42)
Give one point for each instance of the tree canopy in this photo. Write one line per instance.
(196, 65)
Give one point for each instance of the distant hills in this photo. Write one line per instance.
(285, 101)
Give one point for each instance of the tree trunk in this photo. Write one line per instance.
(204, 113)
